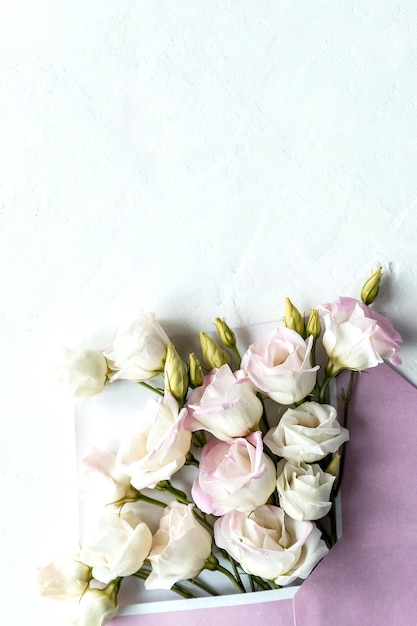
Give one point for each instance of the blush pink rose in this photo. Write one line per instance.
(356, 337)
(268, 543)
(280, 365)
(234, 475)
(225, 405)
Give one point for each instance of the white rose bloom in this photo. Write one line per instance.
(138, 352)
(307, 433)
(64, 578)
(180, 547)
(304, 490)
(82, 372)
(118, 547)
(157, 445)
(268, 543)
(95, 608)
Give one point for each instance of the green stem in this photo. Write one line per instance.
(235, 570)
(236, 354)
(323, 387)
(154, 389)
(213, 565)
(180, 496)
(230, 576)
(346, 397)
(264, 417)
(137, 497)
(201, 585)
(203, 519)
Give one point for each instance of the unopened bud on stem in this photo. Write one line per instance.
(214, 356)
(371, 287)
(175, 374)
(313, 325)
(293, 318)
(195, 372)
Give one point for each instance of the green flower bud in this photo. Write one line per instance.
(313, 324)
(175, 374)
(334, 465)
(371, 287)
(214, 356)
(226, 334)
(293, 318)
(195, 372)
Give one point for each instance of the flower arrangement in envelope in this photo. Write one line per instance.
(206, 471)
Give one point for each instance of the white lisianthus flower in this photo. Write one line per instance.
(304, 490)
(95, 608)
(138, 351)
(280, 365)
(356, 337)
(270, 544)
(118, 547)
(307, 433)
(64, 578)
(82, 372)
(157, 444)
(180, 547)
(101, 478)
(225, 405)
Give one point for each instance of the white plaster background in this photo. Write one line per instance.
(199, 157)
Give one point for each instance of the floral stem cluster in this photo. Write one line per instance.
(252, 440)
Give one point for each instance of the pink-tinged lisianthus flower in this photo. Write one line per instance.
(138, 351)
(225, 405)
(157, 444)
(356, 337)
(234, 475)
(101, 478)
(307, 433)
(304, 490)
(118, 546)
(180, 547)
(280, 365)
(268, 543)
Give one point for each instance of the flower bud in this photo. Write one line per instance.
(226, 334)
(195, 372)
(313, 324)
(371, 287)
(293, 318)
(334, 465)
(214, 356)
(175, 374)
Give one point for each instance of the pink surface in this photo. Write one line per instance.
(368, 578)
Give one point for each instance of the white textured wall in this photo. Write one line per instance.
(203, 158)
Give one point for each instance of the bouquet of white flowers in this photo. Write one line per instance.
(241, 456)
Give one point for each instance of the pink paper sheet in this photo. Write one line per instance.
(368, 578)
